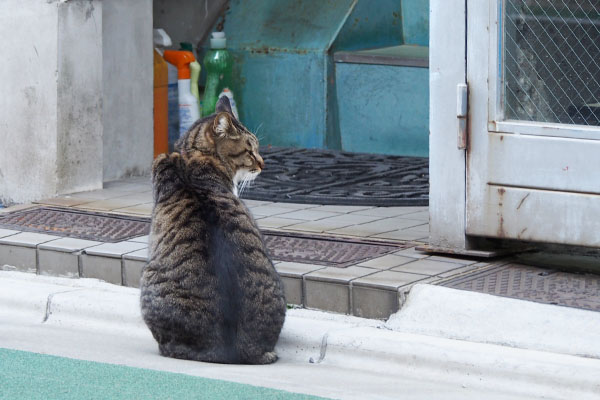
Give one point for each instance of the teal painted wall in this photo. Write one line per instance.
(415, 22)
(383, 109)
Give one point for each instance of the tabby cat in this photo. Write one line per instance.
(209, 291)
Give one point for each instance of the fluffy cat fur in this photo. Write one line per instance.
(209, 291)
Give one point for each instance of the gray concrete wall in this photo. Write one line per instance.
(51, 104)
(187, 20)
(128, 137)
(79, 140)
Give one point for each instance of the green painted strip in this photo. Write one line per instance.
(32, 376)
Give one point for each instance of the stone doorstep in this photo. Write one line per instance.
(359, 291)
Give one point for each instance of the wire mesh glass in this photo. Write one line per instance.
(551, 57)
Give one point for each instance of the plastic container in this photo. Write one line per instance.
(188, 104)
(195, 70)
(227, 93)
(218, 63)
(162, 41)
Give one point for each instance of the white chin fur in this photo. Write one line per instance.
(242, 176)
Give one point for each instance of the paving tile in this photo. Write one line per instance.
(22, 258)
(275, 222)
(386, 262)
(63, 201)
(420, 215)
(100, 194)
(412, 252)
(28, 239)
(427, 267)
(388, 211)
(138, 255)
(7, 232)
(390, 280)
(140, 239)
(374, 303)
(139, 209)
(296, 270)
(132, 272)
(308, 215)
(140, 197)
(295, 206)
(457, 259)
(255, 203)
(320, 226)
(67, 244)
(108, 204)
(342, 209)
(352, 219)
(101, 267)
(269, 210)
(115, 249)
(128, 185)
(459, 270)
(377, 227)
(58, 263)
(341, 275)
(327, 296)
(404, 234)
(293, 290)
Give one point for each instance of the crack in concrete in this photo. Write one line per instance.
(49, 303)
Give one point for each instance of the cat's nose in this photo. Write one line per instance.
(261, 162)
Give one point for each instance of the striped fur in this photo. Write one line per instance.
(209, 291)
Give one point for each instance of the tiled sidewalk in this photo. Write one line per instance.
(372, 289)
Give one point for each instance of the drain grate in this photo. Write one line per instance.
(534, 284)
(77, 224)
(283, 246)
(329, 251)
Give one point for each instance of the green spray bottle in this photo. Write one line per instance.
(218, 63)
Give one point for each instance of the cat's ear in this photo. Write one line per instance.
(223, 105)
(222, 125)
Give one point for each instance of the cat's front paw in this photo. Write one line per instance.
(267, 358)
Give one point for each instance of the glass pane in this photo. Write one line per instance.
(551, 61)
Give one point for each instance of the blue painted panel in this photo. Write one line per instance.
(415, 22)
(371, 26)
(383, 109)
(284, 94)
(285, 24)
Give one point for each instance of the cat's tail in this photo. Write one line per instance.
(187, 352)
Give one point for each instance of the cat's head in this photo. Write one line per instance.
(223, 136)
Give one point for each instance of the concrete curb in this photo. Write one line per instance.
(328, 339)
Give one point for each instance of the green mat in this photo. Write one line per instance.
(32, 376)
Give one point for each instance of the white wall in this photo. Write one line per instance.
(128, 137)
(50, 106)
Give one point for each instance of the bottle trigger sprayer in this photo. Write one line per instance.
(188, 104)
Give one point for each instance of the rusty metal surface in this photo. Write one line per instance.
(534, 284)
(324, 250)
(77, 224)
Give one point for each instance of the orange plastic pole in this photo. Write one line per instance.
(161, 105)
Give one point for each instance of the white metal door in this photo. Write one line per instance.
(533, 157)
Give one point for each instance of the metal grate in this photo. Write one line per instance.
(78, 224)
(534, 284)
(329, 251)
(552, 61)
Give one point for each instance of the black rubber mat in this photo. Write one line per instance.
(534, 284)
(340, 178)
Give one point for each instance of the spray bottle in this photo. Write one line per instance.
(218, 63)
(194, 74)
(188, 104)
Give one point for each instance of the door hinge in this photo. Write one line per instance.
(462, 98)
